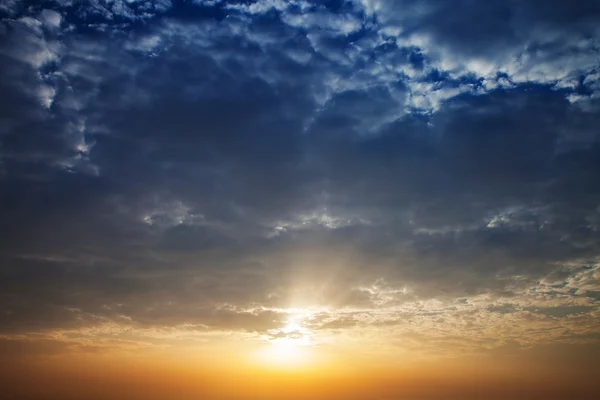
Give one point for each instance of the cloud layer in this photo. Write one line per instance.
(423, 170)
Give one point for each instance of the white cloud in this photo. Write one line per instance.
(340, 24)
(51, 19)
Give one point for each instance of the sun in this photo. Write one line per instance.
(288, 346)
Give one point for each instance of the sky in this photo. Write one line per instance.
(310, 200)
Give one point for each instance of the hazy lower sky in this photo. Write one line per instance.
(311, 200)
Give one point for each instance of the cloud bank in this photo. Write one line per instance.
(423, 170)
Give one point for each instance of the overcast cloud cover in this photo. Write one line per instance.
(426, 169)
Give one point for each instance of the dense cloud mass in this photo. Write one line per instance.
(424, 169)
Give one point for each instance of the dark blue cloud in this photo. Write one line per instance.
(191, 151)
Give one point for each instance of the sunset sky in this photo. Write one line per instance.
(303, 200)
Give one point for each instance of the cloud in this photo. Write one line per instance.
(393, 159)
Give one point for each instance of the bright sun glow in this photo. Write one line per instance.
(289, 345)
